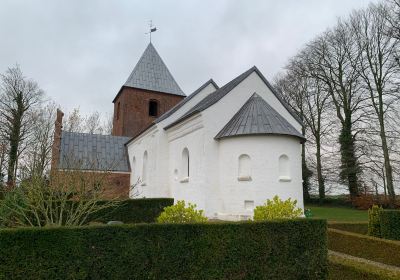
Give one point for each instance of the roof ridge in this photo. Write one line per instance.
(93, 134)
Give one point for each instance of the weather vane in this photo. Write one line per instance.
(151, 29)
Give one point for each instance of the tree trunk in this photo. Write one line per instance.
(306, 173)
(321, 181)
(349, 168)
(14, 143)
(388, 166)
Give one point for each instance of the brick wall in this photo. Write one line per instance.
(134, 109)
(117, 186)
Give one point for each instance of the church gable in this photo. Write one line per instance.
(206, 88)
(210, 100)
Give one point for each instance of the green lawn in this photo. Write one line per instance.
(338, 214)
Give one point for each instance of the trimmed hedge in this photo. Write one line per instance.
(342, 268)
(358, 227)
(390, 224)
(341, 201)
(143, 210)
(363, 246)
(294, 249)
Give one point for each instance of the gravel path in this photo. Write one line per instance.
(373, 263)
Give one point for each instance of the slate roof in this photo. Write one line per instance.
(257, 117)
(151, 73)
(185, 100)
(213, 98)
(85, 151)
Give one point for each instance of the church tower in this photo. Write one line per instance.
(149, 92)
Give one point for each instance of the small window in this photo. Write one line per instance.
(144, 170)
(249, 205)
(118, 109)
(244, 168)
(153, 108)
(185, 165)
(284, 169)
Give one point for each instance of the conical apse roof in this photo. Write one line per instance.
(257, 117)
(151, 73)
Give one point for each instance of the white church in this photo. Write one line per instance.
(226, 149)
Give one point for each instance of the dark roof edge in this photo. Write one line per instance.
(278, 96)
(124, 86)
(302, 139)
(181, 120)
(186, 99)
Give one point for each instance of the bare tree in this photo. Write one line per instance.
(377, 67)
(74, 122)
(36, 159)
(333, 58)
(93, 123)
(108, 123)
(311, 99)
(3, 152)
(393, 18)
(19, 98)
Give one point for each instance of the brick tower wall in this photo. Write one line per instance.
(133, 105)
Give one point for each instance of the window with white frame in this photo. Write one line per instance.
(244, 168)
(284, 168)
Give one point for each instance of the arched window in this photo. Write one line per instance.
(244, 168)
(133, 167)
(185, 166)
(153, 108)
(284, 169)
(145, 167)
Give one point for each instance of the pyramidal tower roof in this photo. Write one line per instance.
(257, 117)
(151, 73)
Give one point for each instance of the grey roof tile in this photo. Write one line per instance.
(85, 151)
(151, 73)
(211, 99)
(257, 117)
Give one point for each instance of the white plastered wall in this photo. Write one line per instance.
(265, 180)
(213, 184)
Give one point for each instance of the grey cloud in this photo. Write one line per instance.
(81, 52)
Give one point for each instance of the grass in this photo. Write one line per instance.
(338, 214)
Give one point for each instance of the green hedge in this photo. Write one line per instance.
(341, 268)
(390, 224)
(132, 211)
(294, 249)
(363, 246)
(358, 227)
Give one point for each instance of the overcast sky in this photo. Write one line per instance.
(81, 52)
